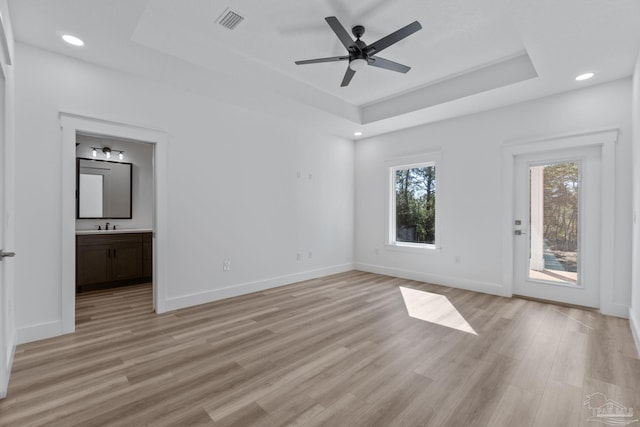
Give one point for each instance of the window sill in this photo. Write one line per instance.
(412, 248)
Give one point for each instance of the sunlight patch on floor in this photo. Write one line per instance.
(434, 308)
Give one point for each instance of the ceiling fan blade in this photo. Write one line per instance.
(347, 77)
(387, 65)
(392, 38)
(319, 60)
(340, 31)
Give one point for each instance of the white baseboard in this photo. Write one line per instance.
(615, 310)
(175, 303)
(38, 332)
(11, 352)
(452, 282)
(634, 323)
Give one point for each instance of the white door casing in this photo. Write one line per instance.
(605, 140)
(72, 124)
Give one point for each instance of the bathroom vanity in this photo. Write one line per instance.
(106, 259)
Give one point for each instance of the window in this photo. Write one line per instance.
(413, 214)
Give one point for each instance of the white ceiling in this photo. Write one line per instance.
(562, 38)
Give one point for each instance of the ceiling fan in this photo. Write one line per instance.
(360, 54)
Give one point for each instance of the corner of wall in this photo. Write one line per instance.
(634, 310)
(634, 323)
(176, 303)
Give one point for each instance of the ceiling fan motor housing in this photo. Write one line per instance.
(358, 31)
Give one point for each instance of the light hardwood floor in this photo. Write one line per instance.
(336, 351)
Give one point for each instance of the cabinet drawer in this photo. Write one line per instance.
(105, 239)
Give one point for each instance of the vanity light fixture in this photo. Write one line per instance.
(107, 152)
(357, 133)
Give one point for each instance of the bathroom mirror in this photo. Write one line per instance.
(103, 189)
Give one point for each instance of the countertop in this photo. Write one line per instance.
(118, 231)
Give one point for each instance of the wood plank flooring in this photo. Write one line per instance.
(336, 351)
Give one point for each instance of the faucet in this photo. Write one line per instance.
(106, 227)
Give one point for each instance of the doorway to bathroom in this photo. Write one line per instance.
(114, 223)
(105, 261)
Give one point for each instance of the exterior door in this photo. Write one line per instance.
(557, 225)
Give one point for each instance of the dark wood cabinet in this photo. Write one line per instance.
(110, 260)
(92, 264)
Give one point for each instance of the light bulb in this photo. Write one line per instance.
(358, 64)
(94, 152)
(121, 155)
(107, 154)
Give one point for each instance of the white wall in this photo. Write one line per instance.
(470, 186)
(634, 312)
(140, 155)
(233, 187)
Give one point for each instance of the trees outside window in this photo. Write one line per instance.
(415, 204)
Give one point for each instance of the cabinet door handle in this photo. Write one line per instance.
(114, 252)
(108, 253)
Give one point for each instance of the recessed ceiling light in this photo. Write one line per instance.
(585, 76)
(357, 133)
(72, 40)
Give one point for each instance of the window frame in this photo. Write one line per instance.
(415, 161)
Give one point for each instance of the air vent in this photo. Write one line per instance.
(229, 19)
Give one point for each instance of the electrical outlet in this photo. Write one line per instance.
(299, 256)
(310, 255)
(376, 251)
(310, 176)
(456, 259)
(226, 266)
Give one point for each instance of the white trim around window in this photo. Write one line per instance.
(433, 158)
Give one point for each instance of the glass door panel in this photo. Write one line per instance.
(554, 223)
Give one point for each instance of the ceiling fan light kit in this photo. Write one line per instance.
(358, 64)
(360, 54)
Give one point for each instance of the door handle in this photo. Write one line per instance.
(4, 254)
(519, 232)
